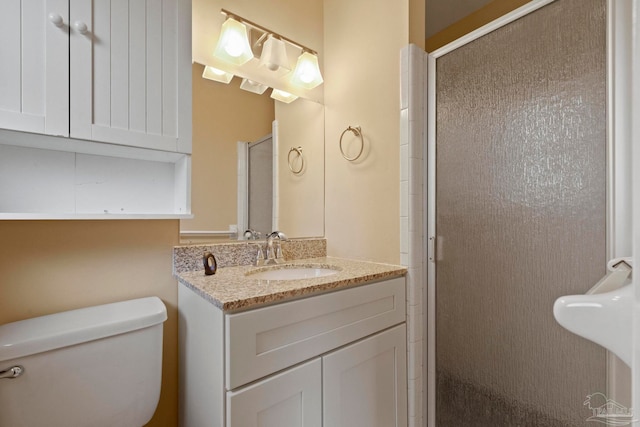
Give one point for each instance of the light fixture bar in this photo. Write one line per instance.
(266, 30)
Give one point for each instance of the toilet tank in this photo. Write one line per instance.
(97, 366)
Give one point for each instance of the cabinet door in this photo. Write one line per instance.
(289, 399)
(34, 66)
(131, 72)
(365, 384)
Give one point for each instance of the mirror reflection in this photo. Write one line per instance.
(231, 128)
(228, 121)
(255, 188)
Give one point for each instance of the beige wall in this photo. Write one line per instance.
(301, 196)
(222, 116)
(417, 22)
(362, 88)
(53, 266)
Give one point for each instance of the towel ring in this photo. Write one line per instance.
(297, 150)
(357, 131)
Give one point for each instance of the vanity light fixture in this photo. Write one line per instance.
(307, 71)
(251, 86)
(274, 54)
(233, 45)
(283, 96)
(217, 75)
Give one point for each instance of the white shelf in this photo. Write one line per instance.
(44, 177)
(72, 216)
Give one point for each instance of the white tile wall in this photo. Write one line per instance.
(412, 136)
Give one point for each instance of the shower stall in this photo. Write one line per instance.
(524, 206)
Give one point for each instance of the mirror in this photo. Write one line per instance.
(256, 207)
(225, 116)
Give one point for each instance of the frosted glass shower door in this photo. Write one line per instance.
(260, 177)
(520, 218)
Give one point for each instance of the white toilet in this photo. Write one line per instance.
(96, 366)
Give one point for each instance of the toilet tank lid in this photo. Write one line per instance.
(39, 334)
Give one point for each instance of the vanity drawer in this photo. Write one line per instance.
(266, 340)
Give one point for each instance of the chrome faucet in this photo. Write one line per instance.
(251, 234)
(274, 255)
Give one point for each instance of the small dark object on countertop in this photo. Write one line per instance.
(210, 264)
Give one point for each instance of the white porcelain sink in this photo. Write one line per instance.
(292, 272)
(605, 318)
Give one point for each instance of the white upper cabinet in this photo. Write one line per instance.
(95, 109)
(115, 71)
(34, 66)
(130, 64)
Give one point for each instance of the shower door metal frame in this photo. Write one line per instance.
(634, 83)
(619, 170)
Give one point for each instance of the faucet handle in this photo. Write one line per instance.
(259, 256)
(278, 235)
(279, 256)
(251, 234)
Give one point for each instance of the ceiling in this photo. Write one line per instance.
(442, 13)
(439, 15)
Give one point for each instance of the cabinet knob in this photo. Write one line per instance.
(80, 27)
(56, 19)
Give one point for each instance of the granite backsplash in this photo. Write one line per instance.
(231, 254)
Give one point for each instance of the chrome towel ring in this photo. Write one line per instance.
(297, 150)
(357, 131)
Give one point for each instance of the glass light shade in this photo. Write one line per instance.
(233, 45)
(274, 54)
(217, 75)
(307, 72)
(283, 96)
(251, 86)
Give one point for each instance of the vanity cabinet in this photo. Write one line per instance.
(335, 359)
(111, 71)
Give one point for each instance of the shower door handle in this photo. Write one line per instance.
(432, 249)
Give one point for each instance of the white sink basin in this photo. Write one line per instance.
(292, 272)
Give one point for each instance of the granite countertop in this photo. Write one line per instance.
(231, 290)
